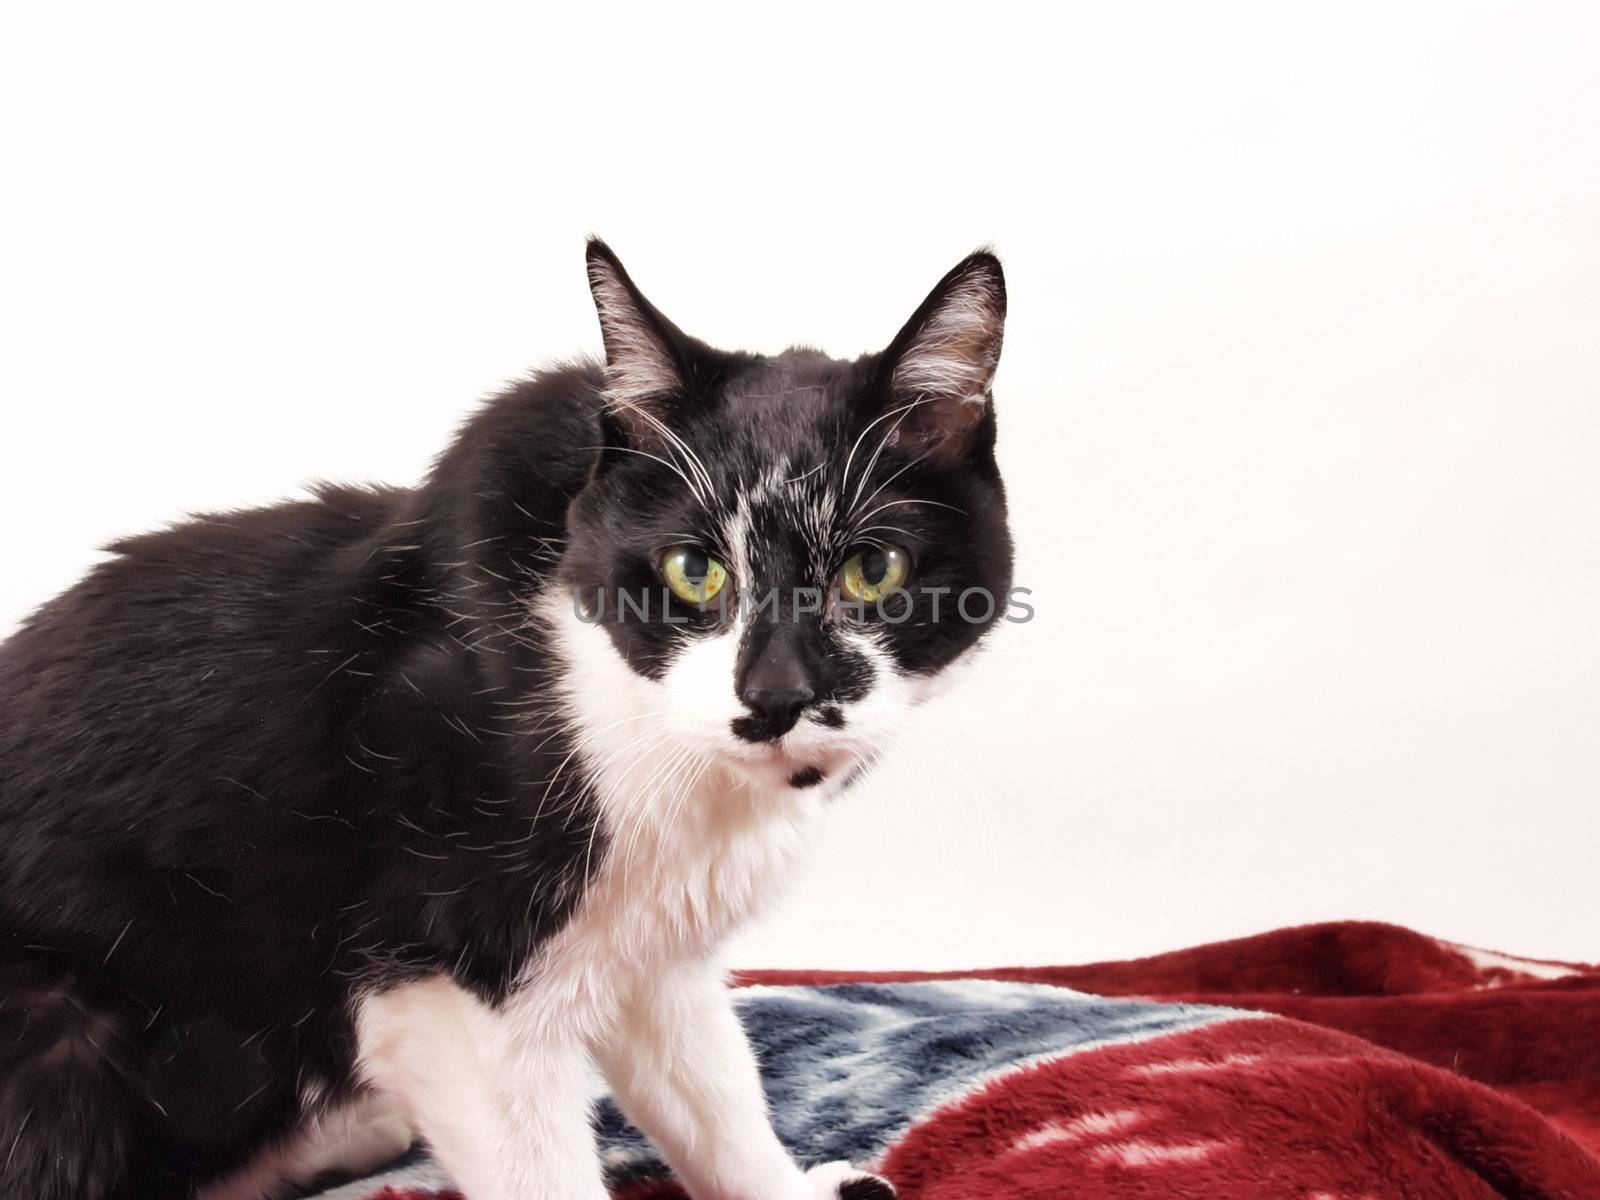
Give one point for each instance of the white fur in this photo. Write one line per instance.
(702, 828)
(502, 1106)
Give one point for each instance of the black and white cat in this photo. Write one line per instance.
(395, 811)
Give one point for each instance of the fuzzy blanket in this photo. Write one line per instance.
(1351, 1061)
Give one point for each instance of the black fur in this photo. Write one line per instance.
(262, 761)
(866, 1189)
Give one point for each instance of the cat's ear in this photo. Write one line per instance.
(940, 368)
(648, 359)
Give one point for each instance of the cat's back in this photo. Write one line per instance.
(236, 645)
(195, 632)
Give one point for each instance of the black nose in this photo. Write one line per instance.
(776, 680)
(776, 708)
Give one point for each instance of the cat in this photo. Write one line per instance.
(394, 812)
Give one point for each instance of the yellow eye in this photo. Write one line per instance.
(870, 574)
(692, 574)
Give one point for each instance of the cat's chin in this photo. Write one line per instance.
(775, 768)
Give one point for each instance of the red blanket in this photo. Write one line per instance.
(1475, 1075)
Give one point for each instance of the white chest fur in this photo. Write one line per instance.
(692, 847)
(682, 870)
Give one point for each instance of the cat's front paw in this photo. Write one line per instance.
(841, 1181)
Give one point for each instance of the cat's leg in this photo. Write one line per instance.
(507, 1118)
(682, 1070)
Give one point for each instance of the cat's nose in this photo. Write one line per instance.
(776, 681)
(778, 707)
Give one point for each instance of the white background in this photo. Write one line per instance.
(1298, 401)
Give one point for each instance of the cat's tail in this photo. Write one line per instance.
(66, 1107)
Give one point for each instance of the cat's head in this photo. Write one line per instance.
(785, 552)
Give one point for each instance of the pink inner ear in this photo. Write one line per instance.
(952, 355)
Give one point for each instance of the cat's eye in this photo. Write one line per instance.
(692, 575)
(872, 573)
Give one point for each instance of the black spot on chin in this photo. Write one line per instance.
(831, 716)
(806, 777)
